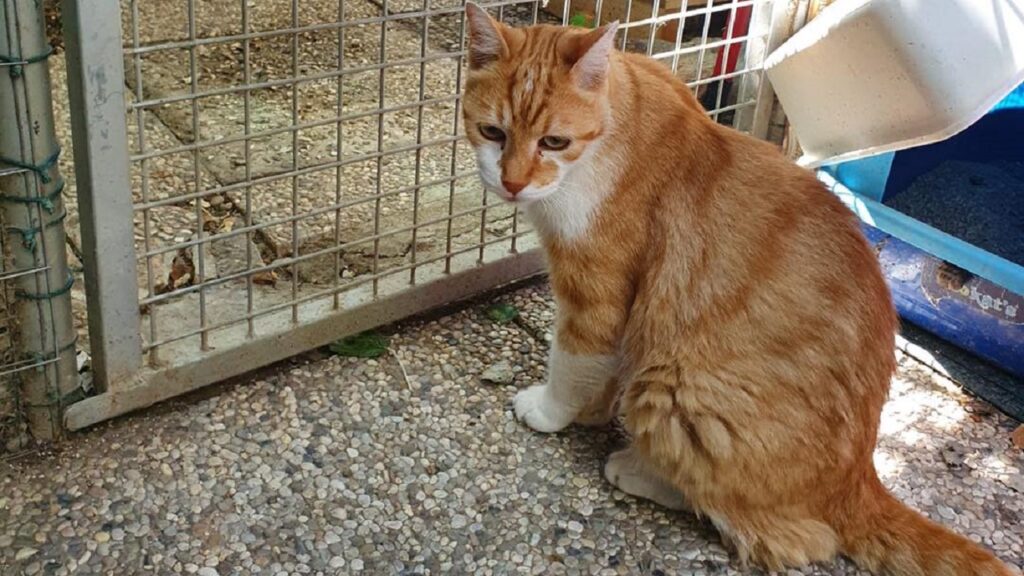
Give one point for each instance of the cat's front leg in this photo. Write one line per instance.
(575, 381)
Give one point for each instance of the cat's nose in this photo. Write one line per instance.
(513, 187)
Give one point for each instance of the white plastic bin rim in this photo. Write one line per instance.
(842, 13)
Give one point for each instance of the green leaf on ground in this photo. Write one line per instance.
(365, 345)
(502, 313)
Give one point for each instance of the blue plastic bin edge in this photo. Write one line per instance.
(967, 256)
(910, 274)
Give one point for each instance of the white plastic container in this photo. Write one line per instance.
(873, 76)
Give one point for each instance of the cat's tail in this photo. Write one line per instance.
(884, 536)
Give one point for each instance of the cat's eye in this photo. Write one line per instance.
(554, 143)
(492, 133)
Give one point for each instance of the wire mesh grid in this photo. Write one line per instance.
(33, 342)
(13, 360)
(290, 158)
(9, 361)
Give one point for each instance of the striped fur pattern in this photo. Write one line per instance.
(749, 329)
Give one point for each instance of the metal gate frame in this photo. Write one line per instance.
(96, 78)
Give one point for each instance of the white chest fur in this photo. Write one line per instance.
(568, 212)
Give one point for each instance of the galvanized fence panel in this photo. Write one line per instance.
(290, 172)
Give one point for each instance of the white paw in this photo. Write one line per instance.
(624, 471)
(536, 407)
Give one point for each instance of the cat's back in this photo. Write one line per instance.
(740, 234)
(762, 255)
(773, 198)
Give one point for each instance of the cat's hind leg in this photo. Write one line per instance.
(628, 471)
(760, 509)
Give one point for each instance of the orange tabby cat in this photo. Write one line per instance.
(714, 293)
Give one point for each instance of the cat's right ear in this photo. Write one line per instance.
(486, 42)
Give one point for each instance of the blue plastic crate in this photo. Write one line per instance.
(983, 311)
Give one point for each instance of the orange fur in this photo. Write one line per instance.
(752, 325)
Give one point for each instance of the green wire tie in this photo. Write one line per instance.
(28, 235)
(48, 202)
(38, 358)
(48, 295)
(54, 355)
(42, 170)
(18, 64)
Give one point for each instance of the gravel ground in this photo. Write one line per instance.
(410, 464)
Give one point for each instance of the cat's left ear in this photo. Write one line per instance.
(591, 55)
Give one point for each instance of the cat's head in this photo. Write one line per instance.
(536, 101)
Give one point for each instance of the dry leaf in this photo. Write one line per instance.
(1017, 437)
(182, 271)
(265, 278)
(210, 222)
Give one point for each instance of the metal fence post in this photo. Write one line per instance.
(96, 90)
(33, 213)
(770, 25)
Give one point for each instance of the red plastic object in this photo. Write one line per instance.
(739, 22)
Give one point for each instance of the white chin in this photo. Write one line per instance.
(529, 196)
(499, 193)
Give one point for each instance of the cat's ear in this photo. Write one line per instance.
(486, 42)
(590, 55)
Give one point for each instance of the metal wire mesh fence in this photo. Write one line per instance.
(10, 399)
(294, 170)
(305, 152)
